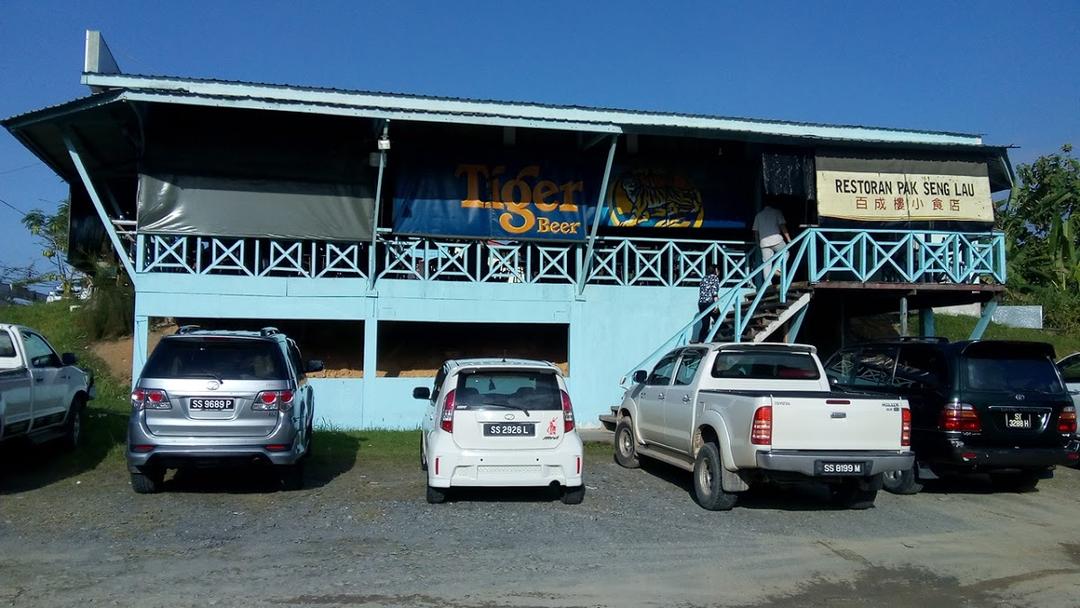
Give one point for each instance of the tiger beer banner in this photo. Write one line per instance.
(898, 190)
(652, 196)
(509, 199)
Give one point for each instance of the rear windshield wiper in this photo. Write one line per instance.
(507, 406)
(206, 375)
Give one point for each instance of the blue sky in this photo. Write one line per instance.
(1008, 70)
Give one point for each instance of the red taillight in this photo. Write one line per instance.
(1067, 420)
(567, 413)
(447, 420)
(579, 465)
(150, 399)
(905, 427)
(273, 400)
(142, 448)
(277, 447)
(960, 417)
(761, 432)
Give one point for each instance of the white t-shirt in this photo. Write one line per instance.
(767, 225)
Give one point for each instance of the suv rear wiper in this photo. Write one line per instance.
(508, 406)
(206, 375)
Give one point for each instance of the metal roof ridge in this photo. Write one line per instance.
(470, 105)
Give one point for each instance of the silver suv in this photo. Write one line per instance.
(208, 398)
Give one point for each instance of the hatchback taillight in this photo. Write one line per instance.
(150, 399)
(1067, 420)
(960, 417)
(446, 421)
(905, 427)
(567, 413)
(761, 432)
(268, 401)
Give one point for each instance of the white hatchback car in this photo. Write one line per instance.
(500, 423)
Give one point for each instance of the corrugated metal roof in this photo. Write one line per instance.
(566, 116)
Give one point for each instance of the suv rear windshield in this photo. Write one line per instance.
(765, 366)
(536, 390)
(1012, 374)
(237, 359)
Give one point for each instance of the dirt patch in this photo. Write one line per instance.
(117, 353)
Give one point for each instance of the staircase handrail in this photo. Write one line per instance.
(735, 292)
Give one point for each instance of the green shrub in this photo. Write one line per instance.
(110, 311)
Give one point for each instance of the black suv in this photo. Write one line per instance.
(989, 406)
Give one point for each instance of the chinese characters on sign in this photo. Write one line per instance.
(867, 196)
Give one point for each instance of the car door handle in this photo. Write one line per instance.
(660, 396)
(686, 398)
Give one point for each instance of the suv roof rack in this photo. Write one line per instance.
(934, 339)
(187, 329)
(268, 331)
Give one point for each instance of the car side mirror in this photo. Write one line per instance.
(69, 359)
(640, 376)
(314, 365)
(421, 392)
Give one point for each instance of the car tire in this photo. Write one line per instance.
(625, 444)
(147, 481)
(901, 482)
(850, 494)
(292, 477)
(423, 456)
(708, 489)
(573, 496)
(1024, 481)
(437, 496)
(74, 425)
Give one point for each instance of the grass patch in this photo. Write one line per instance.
(959, 328)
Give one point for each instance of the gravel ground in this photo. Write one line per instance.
(362, 535)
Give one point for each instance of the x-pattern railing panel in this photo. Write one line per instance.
(167, 253)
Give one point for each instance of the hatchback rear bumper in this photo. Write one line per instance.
(451, 466)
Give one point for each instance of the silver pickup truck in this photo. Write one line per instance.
(43, 395)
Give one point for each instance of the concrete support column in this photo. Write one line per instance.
(371, 361)
(903, 316)
(139, 345)
(926, 322)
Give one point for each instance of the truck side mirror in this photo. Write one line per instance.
(314, 365)
(640, 376)
(69, 359)
(421, 392)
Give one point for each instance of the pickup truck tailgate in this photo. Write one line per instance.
(829, 421)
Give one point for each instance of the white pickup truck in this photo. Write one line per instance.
(737, 414)
(43, 395)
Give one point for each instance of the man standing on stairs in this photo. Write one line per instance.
(770, 231)
(708, 294)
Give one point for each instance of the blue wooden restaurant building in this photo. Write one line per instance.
(391, 226)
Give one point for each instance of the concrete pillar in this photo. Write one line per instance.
(139, 344)
(903, 316)
(371, 361)
(926, 322)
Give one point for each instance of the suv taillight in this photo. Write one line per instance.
(446, 421)
(1067, 420)
(905, 428)
(150, 399)
(267, 401)
(960, 417)
(761, 432)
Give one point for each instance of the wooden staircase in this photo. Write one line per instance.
(770, 316)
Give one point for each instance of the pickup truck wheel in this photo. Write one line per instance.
(423, 457)
(573, 496)
(851, 494)
(708, 489)
(901, 482)
(147, 481)
(626, 445)
(73, 426)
